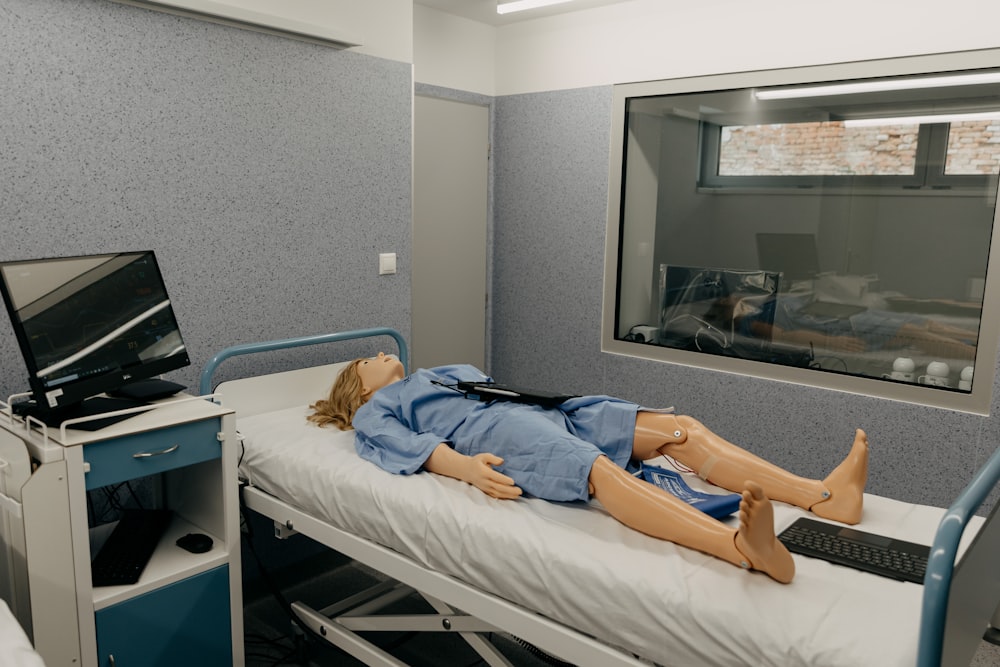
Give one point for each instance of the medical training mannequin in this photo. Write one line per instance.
(784, 321)
(580, 449)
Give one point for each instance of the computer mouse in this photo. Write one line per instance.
(196, 543)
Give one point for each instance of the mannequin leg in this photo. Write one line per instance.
(839, 496)
(652, 511)
(937, 339)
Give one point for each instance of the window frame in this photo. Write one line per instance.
(978, 401)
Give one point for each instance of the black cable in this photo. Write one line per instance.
(243, 449)
(453, 387)
(109, 506)
(539, 653)
(818, 362)
(133, 494)
(262, 648)
(264, 573)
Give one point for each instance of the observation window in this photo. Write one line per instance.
(798, 226)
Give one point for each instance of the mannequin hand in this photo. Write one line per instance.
(845, 344)
(480, 474)
(476, 470)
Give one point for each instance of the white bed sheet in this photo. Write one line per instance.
(575, 564)
(15, 649)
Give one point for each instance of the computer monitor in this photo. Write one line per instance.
(90, 324)
(727, 312)
(707, 308)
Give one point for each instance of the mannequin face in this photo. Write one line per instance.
(378, 372)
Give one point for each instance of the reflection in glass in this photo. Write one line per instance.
(828, 148)
(874, 234)
(973, 147)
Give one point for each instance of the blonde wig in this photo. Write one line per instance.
(344, 400)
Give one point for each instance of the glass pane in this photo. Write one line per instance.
(973, 147)
(817, 149)
(845, 276)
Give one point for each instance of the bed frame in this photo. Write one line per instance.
(959, 599)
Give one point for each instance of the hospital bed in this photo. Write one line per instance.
(15, 649)
(574, 582)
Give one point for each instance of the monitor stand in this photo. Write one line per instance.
(148, 390)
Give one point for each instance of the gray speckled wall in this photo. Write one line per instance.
(552, 152)
(266, 173)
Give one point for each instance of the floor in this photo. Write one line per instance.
(988, 655)
(271, 640)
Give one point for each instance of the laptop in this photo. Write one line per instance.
(495, 391)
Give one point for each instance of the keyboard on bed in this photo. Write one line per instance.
(884, 556)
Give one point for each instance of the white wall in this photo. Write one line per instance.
(646, 40)
(651, 39)
(453, 52)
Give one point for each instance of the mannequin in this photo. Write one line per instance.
(785, 321)
(578, 450)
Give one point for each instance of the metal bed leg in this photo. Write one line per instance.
(344, 639)
(339, 623)
(486, 650)
(369, 600)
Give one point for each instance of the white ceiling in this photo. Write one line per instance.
(485, 11)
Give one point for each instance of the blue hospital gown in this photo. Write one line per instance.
(879, 329)
(548, 452)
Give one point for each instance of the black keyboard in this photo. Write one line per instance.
(884, 556)
(129, 547)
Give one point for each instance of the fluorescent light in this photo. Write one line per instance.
(877, 86)
(521, 5)
(917, 120)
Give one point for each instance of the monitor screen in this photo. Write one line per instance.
(91, 324)
(716, 310)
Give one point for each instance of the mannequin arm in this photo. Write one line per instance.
(808, 337)
(476, 470)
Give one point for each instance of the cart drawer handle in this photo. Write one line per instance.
(146, 455)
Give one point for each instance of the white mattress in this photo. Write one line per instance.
(577, 565)
(15, 649)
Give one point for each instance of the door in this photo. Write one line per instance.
(450, 173)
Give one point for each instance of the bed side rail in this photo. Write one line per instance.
(961, 597)
(267, 346)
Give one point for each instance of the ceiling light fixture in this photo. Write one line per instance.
(521, 5)
(877, 86)
(918, 120)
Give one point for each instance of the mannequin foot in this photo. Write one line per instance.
(846, 485)
(755, 539)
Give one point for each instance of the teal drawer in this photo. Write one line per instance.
(141, 454)
(187, 624)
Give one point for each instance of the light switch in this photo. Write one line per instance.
(386, 263)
